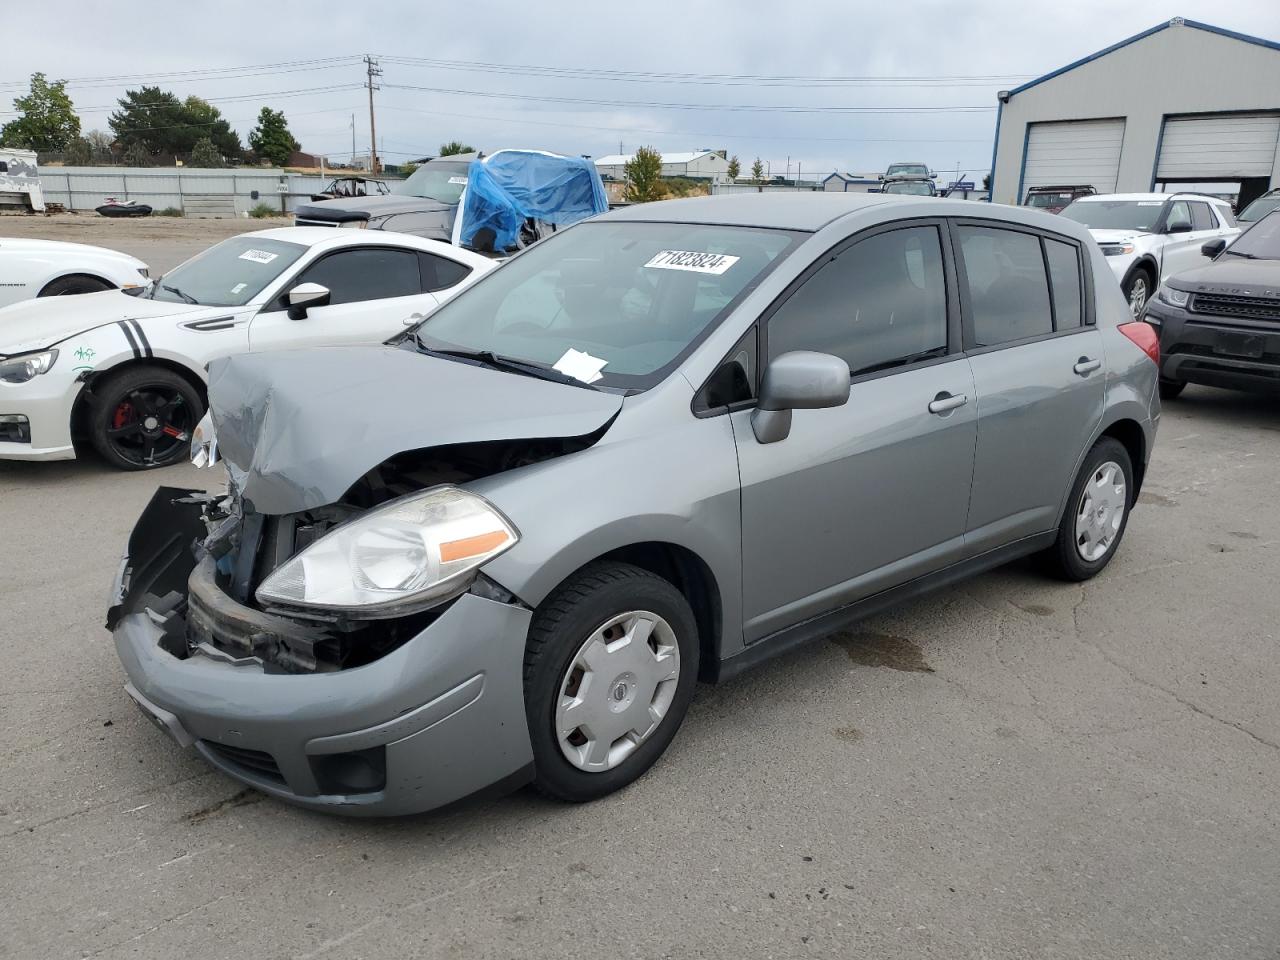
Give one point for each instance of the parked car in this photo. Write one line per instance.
(1056, 199)
(424, 204)
(664, 444)
(1219, 323)
(1260, 207)
(52, 268)
(909, 171)
(126, 373)
(1148, 237)
(906, 187)
(352, 187)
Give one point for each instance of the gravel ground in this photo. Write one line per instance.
(1011, 768)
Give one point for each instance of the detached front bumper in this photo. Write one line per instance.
(434, 721)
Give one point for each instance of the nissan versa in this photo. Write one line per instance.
(663, 445)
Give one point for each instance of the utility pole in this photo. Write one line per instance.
(372, 72)
(353, 140)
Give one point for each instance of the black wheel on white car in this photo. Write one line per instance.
(1170, 389)
(609, 671)
(77, 283)
(1138, 287)
(142, 417)
(1097, 513)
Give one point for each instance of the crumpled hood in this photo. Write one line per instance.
(343, 209)
(36, 324)
(1234, 276)
(297, 428)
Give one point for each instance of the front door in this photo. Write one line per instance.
(374, 293)
(1181, 250)
(864, 496)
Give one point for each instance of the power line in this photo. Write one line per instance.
(220, 73)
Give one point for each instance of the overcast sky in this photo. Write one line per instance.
(1003, 43)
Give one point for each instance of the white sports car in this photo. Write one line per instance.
(51, 268)
(125, 372)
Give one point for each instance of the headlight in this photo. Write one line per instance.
(1116, 249)
(27, 367)
(1177, 298)
(204, 442)
(355, 225)
(402, 557)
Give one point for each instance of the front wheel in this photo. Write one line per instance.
(1096, 515)
(1137, 290)
(610, 667)
(142, 417)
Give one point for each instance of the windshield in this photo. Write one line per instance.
(1258, 209)
(441, 180)
(634, 297)
(1261, 241)
(229, 274)
(907, 170)
(1043, 200)
(1138, 215)
(914, 189)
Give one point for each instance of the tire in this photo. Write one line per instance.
(1139, 284)
(1171, 389)
(1067, 558)
(76, 283)
(564, 626)
(123, 406)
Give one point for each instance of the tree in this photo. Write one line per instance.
(136, 155)
(205, 154)
(757, 173)
(644, 176)
(159, 122)
(735, 168)
(100, 142)
(271, 138)
(455, 147)
(79, 152)
(986, 182)
(47, 121)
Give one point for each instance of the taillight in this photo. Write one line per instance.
(1145, 336)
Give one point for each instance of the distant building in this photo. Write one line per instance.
(695, 165)
(850, 182)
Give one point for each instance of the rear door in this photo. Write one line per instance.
(1181, 249)
(374, 293)
(1038, 371)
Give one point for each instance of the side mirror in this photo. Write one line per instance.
(1211, 248)
(1181, 227)
(800, 380)
(304, 296)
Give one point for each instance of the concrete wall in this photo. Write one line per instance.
(1178, 70)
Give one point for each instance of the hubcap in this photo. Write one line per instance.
(1138, 295)
(1101, 511)
(617, 689)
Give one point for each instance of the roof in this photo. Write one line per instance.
(688, 156)
(1148, 196)
(852, 177)
(1175, 22)
(328, 236)
(802, 210)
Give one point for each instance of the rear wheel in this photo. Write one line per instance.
(64, 286)
(1170, 389)
(142, 417)
(1137, 290)
(610, 668)
(1096, 515)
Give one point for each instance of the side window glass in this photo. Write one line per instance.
(1008, 292)
(735, 378)
(1202, 217)
(1179, 215)
(441, 273)
(1064, 275)
(373, 274)
(880, 303)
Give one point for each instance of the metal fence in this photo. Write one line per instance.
(197, 193)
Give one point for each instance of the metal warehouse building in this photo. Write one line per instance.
(1179, 107)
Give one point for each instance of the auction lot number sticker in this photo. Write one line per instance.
(716, 263)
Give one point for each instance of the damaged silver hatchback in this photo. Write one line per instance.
(660, 446)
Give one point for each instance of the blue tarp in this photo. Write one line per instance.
(506, 188)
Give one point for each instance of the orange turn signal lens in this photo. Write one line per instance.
(472, 546)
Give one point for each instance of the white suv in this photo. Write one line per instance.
(1148, 237)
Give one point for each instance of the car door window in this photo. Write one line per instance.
(441, 273)
(1064, 276)
(1202, 217)
(1008, 293)
(1179, 215)
(375, 273)
(879, 303)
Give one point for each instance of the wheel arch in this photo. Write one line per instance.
(80, 409)
(1148, 263)
(1132, 437)
(86, 274)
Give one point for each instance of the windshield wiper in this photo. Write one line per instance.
(902, 361)
(185, 296)
(1247, 256)
(498, 362)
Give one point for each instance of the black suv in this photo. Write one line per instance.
(1220, 323)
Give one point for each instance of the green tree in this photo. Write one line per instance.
(757, 173)
(79, 152)
(271, 138)
(100, 142)
(205, 154)
(735, 168)
(47, 121)
(644, 176)
(136, 155)
(159, 122)
(206, 122)
(455, 147)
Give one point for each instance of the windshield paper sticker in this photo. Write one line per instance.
(714, 263)
(459, 181)
(581, 366)
(1151, 203)
(258, 256)
(238, 287)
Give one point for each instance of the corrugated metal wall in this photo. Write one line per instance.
(225, 193)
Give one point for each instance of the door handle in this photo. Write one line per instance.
(946, 402)
(1085, 366)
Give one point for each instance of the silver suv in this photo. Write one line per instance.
(661, 446)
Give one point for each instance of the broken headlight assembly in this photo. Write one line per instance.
(402, 557)
(27, 367)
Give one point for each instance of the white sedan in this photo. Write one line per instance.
(51, 268)
(126, 371)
